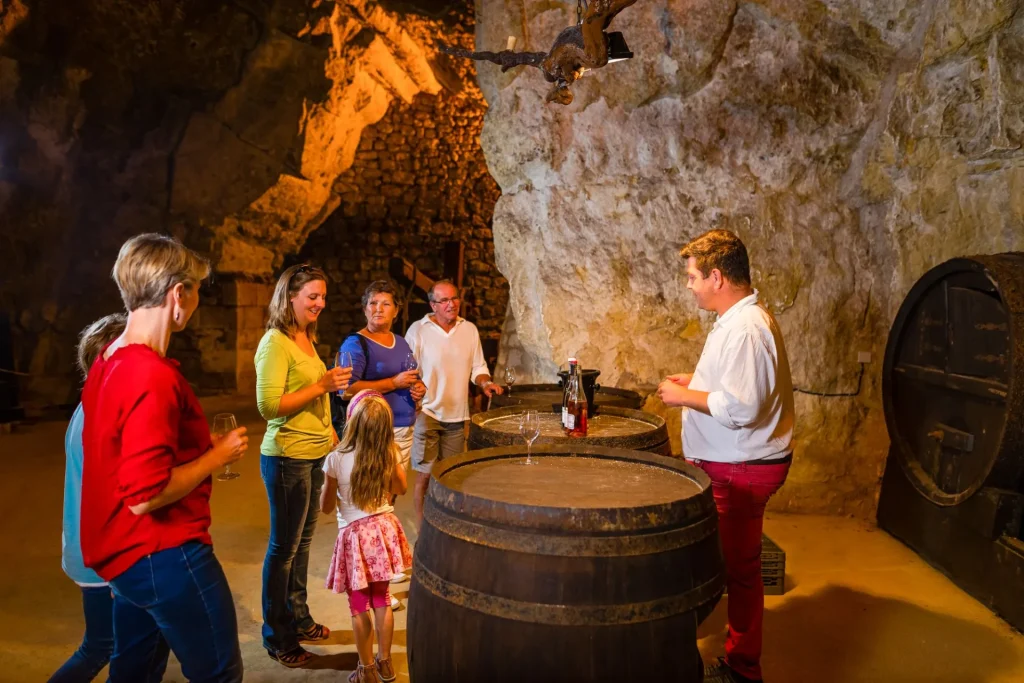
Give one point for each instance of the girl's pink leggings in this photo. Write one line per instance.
(374, 595)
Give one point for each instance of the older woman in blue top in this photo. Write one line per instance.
(98, 644)
(386, 369)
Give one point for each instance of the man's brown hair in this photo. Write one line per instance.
(723, 250)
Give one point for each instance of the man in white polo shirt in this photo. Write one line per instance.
(738, 420)
(450, 355)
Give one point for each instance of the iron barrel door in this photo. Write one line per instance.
(952, 379)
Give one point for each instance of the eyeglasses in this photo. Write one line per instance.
(445, 302)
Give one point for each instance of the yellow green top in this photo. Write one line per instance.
(283, 368)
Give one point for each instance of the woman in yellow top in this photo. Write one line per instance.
(292, 391)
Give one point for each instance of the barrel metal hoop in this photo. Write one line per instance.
(567, 615)
(623, 545)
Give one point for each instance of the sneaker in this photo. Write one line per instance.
(399, 578)
(723, 673)
(395, 603)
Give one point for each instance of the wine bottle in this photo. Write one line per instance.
(565, 394)
(576, 419)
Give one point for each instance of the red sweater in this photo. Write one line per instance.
(141, 420)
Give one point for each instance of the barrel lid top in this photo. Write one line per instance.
(588, 487)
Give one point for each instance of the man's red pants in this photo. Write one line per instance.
(741, 492)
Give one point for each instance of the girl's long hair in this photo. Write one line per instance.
(280, 315)
(369, 433)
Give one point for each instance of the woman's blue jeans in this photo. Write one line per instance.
(293, 488)
(177, 598)
(97, 645)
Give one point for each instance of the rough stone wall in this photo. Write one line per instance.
(419, 180)
(852, 144)
(226, 124)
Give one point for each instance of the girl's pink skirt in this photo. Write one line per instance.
(370, 549)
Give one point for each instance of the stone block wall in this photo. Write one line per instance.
(419, 180)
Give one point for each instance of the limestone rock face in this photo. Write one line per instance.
(852, 144)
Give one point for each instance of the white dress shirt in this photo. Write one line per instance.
(448, 363)
(745, 370)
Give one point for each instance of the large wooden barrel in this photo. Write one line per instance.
(547, 395)
(611, 428)
(592, 566)
(953, 379)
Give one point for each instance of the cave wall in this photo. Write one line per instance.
(419, 180)
(225, 124)
(852, 144)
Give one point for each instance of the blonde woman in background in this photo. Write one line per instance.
(292, 392)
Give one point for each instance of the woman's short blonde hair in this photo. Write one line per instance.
(280, 314)
(96, 336)
(149, 265)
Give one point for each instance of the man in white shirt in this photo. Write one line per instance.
(450, 355)
(738, 420)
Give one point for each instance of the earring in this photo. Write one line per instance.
(177, 317)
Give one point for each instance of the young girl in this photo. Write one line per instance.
(362, 473)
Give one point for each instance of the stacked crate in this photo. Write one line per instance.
(773, 567)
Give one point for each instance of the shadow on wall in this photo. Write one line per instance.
(841, 635)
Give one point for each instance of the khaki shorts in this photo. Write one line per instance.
(403, 439)
(434, 440)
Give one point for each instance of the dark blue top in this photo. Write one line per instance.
(383, 364)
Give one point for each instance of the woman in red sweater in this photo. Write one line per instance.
(146, 479)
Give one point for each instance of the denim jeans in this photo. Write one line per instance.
(293, 488)
(177, 598)
(97, 645)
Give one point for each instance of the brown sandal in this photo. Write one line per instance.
(385, 671)
(293, 659)
(364, 674)
(315, 632)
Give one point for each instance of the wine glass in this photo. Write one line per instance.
(510, 378)
(224, 424)
(529, 429)
(410, 362)
(343, 359)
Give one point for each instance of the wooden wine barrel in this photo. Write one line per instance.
(590, 566)
(953, 379)
(547, 395)
(612, 428)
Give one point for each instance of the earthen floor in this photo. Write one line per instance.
(859, 606)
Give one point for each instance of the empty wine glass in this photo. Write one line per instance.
(510, 378)
(529, 429)
(343, 359)
(410, 362)
(224, 424)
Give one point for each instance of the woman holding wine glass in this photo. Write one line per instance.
(292, 392)
(148, 457)
(383, 362)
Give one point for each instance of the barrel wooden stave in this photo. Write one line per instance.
(653, 440)
(484, 606)
(953, 379)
